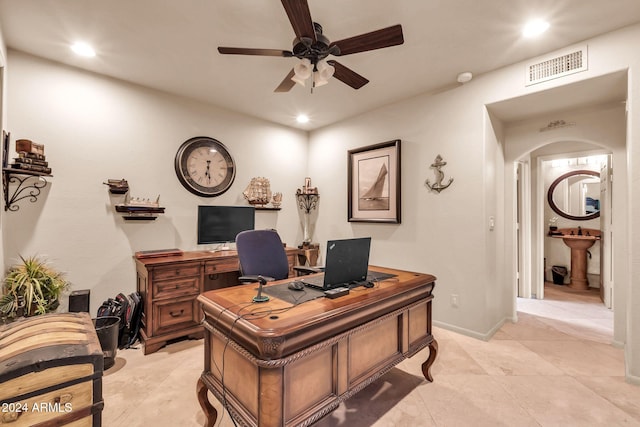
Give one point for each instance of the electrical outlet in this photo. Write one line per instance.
(454, 300)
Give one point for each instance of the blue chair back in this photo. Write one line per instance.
(261, 252)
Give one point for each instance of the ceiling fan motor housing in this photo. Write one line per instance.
(305, 47)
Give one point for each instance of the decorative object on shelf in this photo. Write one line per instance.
(30, 163)
(204, 166)
(374, 183)
(276, 201)
(117, 186)
(31, 287)
(308, 198)
(556, 124)
(258, 192)
(438, 186)
(30, 157)
(139, 208)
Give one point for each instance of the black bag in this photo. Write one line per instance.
(129, 309)
(136, 318)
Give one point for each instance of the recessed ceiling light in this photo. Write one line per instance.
(302, 118)
(535, 28)
(465, 77)
(83, 49)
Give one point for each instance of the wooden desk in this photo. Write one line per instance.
(275, 364)
(169, 287)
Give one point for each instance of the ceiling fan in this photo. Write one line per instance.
(312, 48)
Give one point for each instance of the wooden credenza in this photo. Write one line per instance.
(278, 364)
(170, 285)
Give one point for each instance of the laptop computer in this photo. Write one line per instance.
(346, 264)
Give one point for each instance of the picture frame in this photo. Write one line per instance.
(374, 183)
(6, 136)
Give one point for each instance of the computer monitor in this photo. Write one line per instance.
(221, 224)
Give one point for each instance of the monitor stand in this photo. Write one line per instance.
(223, 247)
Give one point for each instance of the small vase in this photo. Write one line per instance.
(305, 230)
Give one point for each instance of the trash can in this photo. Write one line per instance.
(107, 329)
(559, 273)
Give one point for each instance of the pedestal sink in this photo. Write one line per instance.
(579, 245)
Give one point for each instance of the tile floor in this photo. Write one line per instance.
(555, 367)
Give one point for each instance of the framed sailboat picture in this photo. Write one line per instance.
(374, 183)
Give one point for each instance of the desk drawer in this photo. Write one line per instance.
(176, 287)
(176, 271)
(221, 266)
(172, 315)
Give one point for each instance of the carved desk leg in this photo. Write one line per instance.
(210, 412)
(426, 366)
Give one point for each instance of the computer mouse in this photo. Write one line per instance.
(296, 286)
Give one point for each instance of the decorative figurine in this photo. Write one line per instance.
(307, 201)
(438, 186)
(258, 192)
(277, 200)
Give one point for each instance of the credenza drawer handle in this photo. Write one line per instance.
(10, 417)
(176, 314)
(177, 272)
(64, 398)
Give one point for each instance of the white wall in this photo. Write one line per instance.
(95, 128)
(446, 234)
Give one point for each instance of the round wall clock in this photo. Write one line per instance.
(204, 166)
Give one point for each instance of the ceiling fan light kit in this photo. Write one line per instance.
(312, 48)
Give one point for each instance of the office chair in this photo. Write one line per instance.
(263, 259)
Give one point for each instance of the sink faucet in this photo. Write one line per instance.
(579, 231)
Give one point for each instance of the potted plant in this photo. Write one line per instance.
(31, 287)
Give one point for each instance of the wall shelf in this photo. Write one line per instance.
(26, 189)
(139, 213)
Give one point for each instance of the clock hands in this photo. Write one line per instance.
(207, 173)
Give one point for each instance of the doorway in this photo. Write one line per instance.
(576, 195)
(579, 117)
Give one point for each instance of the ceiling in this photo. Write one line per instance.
(172, 45)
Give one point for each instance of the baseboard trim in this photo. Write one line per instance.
(474, 334)
(617, 344)
(632, 379)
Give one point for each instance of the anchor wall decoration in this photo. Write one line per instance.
(438, 185)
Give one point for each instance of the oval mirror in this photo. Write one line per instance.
(576, 195)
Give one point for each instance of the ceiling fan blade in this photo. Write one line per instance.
(249, 51)
(300, 18)
(390, 36)
(287, 83)
(347, 76)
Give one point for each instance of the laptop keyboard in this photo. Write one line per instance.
(315, 282)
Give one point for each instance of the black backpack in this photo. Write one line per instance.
(135, 303)
(128, 308)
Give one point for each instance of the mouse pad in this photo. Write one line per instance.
(283, 292)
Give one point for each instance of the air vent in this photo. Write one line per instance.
(556, 66)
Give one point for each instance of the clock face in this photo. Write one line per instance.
(204, 166)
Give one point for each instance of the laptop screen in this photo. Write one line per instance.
(347, 260)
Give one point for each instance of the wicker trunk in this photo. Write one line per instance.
(51, 372)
